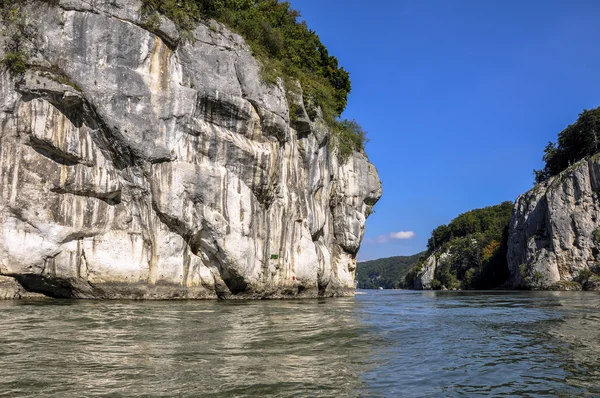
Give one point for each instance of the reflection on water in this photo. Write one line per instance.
(377, 344)
(77, 348)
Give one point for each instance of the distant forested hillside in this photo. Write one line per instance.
(471, 250)
(387, 273)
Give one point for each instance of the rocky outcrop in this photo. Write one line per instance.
(133, 165)
(426, 274)
(554, 234)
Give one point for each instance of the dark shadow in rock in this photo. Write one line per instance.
(47, 150)
(110, 198)
(235, 283)
(51, 287)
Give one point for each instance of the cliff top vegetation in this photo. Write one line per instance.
(574, 143)
(286, 47)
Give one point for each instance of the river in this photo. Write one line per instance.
(381, 343)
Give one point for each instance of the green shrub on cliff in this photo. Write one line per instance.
(18, 34)
(14, 61)
(13, 31)
(411, 275)
(350, 137)
(577, 141)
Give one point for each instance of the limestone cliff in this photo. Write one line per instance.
(133, 165)
(425, 273)
(554, 235)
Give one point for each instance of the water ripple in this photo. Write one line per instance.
(409, 344)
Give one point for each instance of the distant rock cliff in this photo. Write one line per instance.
(554, 235)
(135, 166)
(425, 273)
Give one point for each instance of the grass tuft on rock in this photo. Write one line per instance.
(14, 62)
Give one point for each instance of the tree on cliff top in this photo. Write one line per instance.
(577, 141)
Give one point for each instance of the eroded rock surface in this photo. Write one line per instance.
(554, 234)
(133, 165)
(426, 274)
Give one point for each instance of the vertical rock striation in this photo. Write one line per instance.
(554, 235)
(133, 165)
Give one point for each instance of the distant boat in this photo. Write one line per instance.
(380, 288)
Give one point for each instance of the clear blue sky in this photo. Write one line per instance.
(458, 98)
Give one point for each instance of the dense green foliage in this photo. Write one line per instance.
(287, 49)
(387, 273)
(491, 221)
(577, 141)
(476, 246)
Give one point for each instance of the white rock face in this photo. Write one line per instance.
(427, 274)
(135, 166)
(555, 228)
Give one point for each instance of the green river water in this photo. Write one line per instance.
(381, 343)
